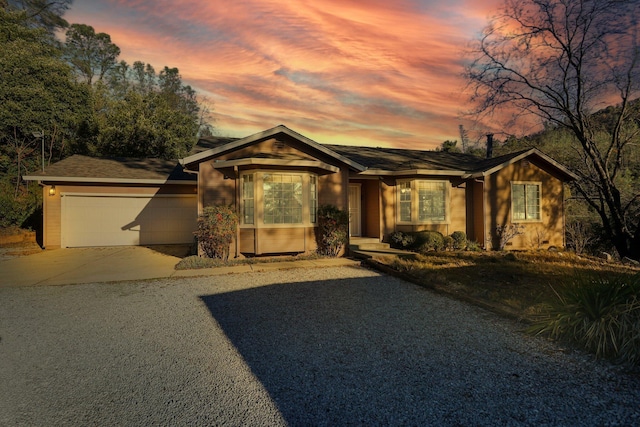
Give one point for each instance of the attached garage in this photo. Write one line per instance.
(99, 220)
(91, 201)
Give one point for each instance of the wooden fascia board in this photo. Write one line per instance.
(105, 180)
(219, 164)
(562, 169)
(408, 172)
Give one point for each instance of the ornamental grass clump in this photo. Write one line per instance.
(217, 227)
(332, 231)
(601, 314)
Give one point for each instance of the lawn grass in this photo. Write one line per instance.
(519, 282)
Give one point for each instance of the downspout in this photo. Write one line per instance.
(484, 215)
(44, 215)
(564, 220)
(236, 177)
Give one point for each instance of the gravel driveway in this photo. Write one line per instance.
(338, 346)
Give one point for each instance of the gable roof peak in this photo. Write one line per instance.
(279, 129)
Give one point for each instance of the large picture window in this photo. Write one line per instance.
(525, 201)
(431, 201)
(422, 201)
(279, 198)
(282, 195)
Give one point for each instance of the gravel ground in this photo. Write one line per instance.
(334, 346)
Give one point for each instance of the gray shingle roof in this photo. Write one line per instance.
(78, 166)
(370, 158)
(393, 159)
(210, 142)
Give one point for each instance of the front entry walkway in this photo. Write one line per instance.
(370, 247)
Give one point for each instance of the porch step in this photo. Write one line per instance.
(360, 243)
(363, 247)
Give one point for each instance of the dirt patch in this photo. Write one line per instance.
(16, 236)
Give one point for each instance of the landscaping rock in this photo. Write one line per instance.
(606, 256)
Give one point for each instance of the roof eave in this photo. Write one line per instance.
(77, 179)
(250, 161)
(407, 172)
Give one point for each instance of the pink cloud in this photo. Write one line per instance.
(371, 72)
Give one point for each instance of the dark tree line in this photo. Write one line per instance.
(59, 98)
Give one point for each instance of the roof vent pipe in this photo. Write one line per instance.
(489, 145)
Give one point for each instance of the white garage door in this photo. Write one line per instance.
(99, 220)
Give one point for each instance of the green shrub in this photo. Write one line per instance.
(16, 207)
(332, 231)
(601, 314)
(447, 243)
(427, 241)
(216, 229)
(401, 240)
(459, 240)
(473, 246)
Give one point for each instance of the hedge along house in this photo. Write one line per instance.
(277, 178)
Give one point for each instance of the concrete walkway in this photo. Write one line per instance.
(112, 264)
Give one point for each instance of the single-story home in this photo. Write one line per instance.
(277, 178)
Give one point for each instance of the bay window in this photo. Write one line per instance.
(279, 198)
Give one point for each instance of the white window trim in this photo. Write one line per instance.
(258, 198)
(415, 202)
(528, 221)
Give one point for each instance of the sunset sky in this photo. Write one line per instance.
(357, 72)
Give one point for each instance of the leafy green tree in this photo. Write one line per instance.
(91, 54)
(449, 147)
(144, 125)
(37, 94)
(561, 61)
(144, 114)
(45, 14)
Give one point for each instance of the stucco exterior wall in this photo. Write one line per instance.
(477, 202)
(387, 207)
(549, 230)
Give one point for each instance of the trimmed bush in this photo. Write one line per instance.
(447, 242)
(601, 314)
(459, 240)
(332, 231)
(427, 241)
(217, 228)
(401, 240)
(473, 246)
